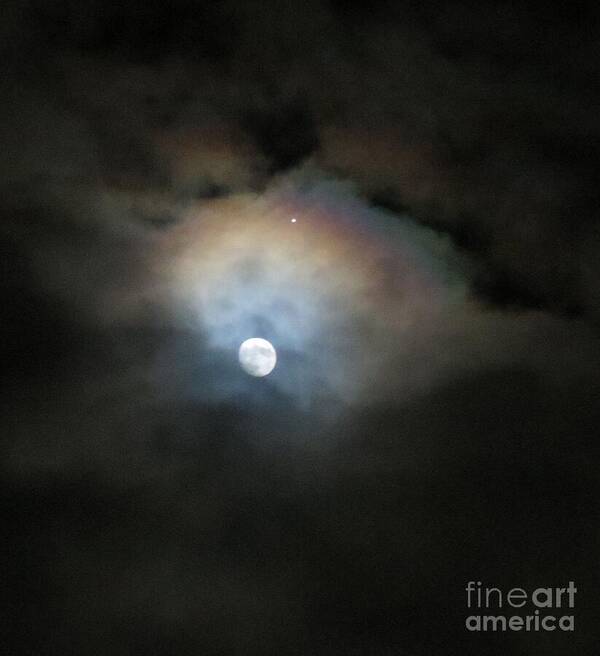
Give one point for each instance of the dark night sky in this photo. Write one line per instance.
(433, 418)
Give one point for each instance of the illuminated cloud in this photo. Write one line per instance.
(328, 291)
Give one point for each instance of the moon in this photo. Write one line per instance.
(257, 357)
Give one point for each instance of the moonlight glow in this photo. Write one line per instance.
(257, 357)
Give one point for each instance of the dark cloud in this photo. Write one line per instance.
(436, 424)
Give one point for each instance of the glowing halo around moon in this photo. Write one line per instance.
(257, 357)
(238, 268)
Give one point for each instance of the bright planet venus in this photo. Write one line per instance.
(257, 357)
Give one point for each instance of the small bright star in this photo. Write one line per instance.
(294, 220)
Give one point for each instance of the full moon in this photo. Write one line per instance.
(257, 356)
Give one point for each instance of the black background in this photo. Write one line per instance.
(137, 522)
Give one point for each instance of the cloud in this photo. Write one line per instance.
(421, 428)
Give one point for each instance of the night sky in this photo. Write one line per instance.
(404, 200)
